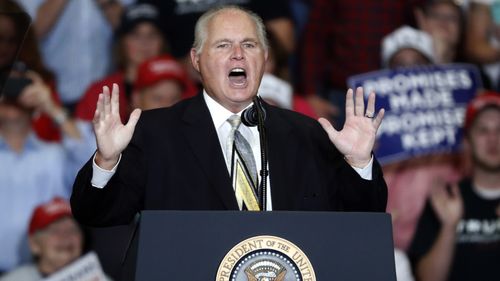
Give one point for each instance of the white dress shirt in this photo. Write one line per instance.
(220, 114)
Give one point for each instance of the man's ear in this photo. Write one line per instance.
(195, 59)
(34, 245)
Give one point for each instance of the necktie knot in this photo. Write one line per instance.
(235, 121)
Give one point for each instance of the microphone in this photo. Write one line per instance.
(255, 116)
(250, 116)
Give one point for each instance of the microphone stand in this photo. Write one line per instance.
(264, 172)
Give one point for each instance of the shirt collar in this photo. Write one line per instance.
(487, 193)
(219, 113)
(32, 143)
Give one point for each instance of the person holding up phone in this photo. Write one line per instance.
(31, 170)
(19, 59)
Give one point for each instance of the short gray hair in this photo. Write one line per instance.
(200, 30)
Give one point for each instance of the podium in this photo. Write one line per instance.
(212, 245)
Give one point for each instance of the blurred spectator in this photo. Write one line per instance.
(75, 37)
(406, 47)
(444, 21)
(161, 82)
(179, 18)
(342, 39)
(39, 96)
(274, 88)
(482, 44)
(31, 171)
(458, 235)
(55, 240)
(13, 25)
(277, 60)
(28, 58)
(408, 181)
(138, 38)
(28, 111)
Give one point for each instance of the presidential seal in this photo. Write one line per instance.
(265, 258)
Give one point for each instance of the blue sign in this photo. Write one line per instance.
(425, 108)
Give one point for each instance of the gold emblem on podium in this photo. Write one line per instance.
(265, 258)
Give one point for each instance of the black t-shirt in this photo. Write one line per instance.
(477, 248)
(179, 17)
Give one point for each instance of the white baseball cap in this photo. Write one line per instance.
(406, 37)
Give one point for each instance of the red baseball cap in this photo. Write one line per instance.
(477, 105)
(47, 213)
(160, 68)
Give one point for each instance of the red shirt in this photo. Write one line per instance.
(301, 105)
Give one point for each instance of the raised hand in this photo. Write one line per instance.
(357, 138)
(447, 205)
(112, 136)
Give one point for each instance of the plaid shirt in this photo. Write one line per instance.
(343, 38)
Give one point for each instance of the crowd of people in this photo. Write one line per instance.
(445, 206)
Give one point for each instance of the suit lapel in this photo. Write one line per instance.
(283, 170)
(202, 137)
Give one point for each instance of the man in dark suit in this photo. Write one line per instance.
(176, 158)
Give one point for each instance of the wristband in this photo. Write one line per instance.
(60, 117)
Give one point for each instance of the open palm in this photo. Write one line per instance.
(357, 138)
(112, 136)
(447, 203)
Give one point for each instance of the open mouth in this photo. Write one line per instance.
(238, 77)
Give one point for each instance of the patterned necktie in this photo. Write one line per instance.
(242, 166)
